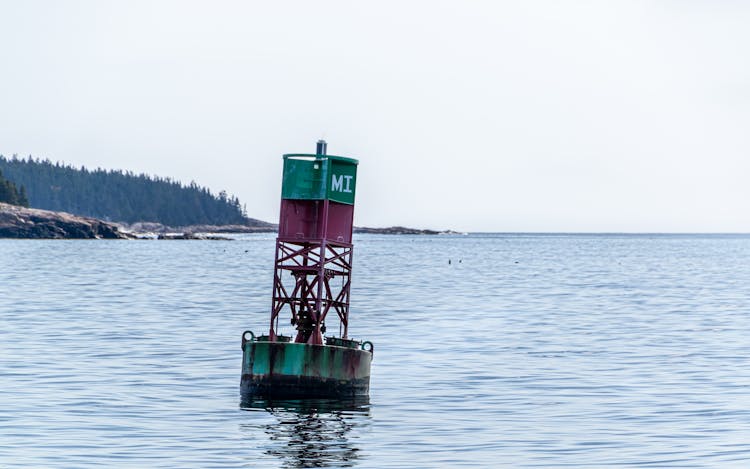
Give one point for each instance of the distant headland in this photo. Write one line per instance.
(41, 199)
(119, 196)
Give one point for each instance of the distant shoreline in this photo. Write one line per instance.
(18, 222)
(265, 227)
(158, 229)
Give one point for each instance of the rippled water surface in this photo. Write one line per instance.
(524, 350)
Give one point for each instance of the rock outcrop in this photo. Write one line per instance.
(21, 222)
(395, 230)
(256, 226)
(192, 236)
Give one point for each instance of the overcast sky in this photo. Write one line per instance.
(597, 116)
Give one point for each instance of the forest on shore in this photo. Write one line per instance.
(115, 195)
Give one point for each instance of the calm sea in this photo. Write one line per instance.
(490, 351)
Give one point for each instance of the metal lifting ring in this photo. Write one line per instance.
(245, 338)
(371, 347)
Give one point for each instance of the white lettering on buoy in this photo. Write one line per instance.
(337, 183)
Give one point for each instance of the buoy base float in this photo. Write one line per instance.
(289, 370)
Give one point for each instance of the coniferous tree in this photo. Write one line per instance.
(10, 194)
(23, 198)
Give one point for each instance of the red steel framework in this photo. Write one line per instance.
(316, 268)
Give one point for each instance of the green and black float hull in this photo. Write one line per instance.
(288, 370)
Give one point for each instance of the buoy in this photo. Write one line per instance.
(311, 283)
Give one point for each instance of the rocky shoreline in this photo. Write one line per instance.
(32, 223)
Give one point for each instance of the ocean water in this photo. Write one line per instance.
(490, 351)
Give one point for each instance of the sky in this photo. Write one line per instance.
(578, 116)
